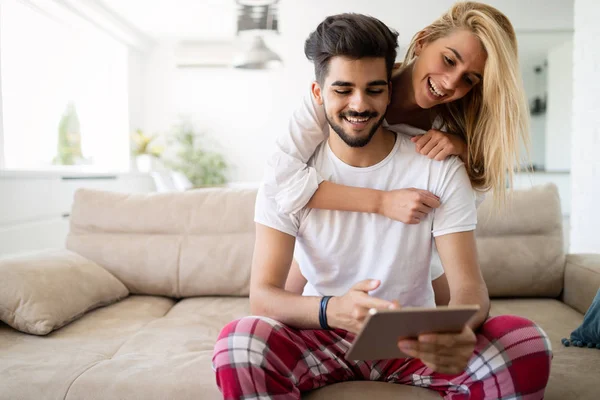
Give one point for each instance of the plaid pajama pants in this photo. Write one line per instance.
(260, 358)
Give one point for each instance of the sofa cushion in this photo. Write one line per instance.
(153, 348)
(45, 367)
(520, 247)
(143, 347)
(43, 291)
(573, 368)
(195, 243)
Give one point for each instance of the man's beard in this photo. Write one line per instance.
(351, 140)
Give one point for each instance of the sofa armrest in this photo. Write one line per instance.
(582, 280)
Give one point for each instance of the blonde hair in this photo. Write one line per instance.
(494, 115)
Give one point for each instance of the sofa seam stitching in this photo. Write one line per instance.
(596, 272)
(115, 352)
(80, 374)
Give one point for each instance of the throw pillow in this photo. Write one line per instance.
(46, 290)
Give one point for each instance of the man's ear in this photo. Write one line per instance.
(317, 93)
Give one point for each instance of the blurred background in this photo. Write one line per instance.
(160, 95)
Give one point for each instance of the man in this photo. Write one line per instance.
(297, 343)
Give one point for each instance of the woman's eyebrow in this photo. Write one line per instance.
(459, 57)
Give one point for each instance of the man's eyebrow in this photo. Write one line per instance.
(380, 82)
(459, 57)
(342, 83)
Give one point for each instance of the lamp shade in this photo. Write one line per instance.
(257, 56)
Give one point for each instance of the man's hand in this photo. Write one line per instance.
(349, 311)
(408, 205)
(438, 145)
(445, 353)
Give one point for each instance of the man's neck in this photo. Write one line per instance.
(375, 151)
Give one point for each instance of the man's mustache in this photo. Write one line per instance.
(364, 114)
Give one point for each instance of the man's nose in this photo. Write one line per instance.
(358, 102)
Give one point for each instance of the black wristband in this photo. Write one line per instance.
(323, 313)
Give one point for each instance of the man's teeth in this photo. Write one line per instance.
(357, 120)
(434, 89)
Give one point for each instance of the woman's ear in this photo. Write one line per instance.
(420, 42)
(317, 93)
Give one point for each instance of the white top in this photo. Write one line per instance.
(336, 249)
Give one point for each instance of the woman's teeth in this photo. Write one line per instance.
(433, 89)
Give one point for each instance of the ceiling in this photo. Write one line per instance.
(216, 19)
(198, 19)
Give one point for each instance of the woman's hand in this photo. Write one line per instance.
(409, 206)
(439, 145)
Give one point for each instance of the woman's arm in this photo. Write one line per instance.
(288, 179)
(404, 205)
(294, 185)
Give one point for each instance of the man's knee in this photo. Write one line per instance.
(517, 336)
(244, 341)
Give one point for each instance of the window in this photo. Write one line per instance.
(63, 92)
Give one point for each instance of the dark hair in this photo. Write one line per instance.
(350, 35)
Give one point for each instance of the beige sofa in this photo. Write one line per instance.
(185, 261)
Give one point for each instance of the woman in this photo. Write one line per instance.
(439, 86)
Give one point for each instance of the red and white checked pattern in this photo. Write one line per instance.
(260, 358)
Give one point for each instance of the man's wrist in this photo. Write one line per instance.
(330, 312)
(323, 322)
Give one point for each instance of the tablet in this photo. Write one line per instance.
(378, 338)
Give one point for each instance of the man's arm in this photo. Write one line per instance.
(273, 254)
(295, 281)
(458, 253)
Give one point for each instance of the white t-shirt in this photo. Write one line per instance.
(336, 249)
(291, 182)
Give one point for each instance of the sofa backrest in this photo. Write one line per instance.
(194, 243)
(521, 249)
(200, 242)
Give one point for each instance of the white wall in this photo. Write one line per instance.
(240, 111)
(559, 125)
(585, 167)
(35, 206)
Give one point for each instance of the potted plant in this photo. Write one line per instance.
(201, 166)
(144, 151)
(69, 139)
